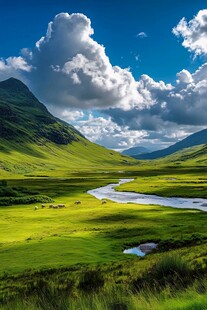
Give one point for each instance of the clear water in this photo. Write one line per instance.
(142, 249)
(108, 192)
(135, 251)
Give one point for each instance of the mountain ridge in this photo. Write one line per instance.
(18, 106)
(197, 138)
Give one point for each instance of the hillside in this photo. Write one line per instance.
(197, 138)
(194, 156)
(33, 140)
(23, 117)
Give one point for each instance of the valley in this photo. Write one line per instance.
(52, 256)
(61, 245)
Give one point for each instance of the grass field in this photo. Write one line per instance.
(59, 246)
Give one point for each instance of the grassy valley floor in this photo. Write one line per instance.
(60, 245)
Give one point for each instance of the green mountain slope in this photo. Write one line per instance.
(191, 156)
(33, 141)
(23, 117)
(197, 138)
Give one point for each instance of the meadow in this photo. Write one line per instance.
(46, 254)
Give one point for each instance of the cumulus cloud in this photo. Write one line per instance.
(13, 66)
(104, 131)
(73, 70)
(182, 104)
(194, 33)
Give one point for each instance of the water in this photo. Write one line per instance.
(135, 251)
(108, 192)
(142, 249)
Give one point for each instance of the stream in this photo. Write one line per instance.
(108, 192)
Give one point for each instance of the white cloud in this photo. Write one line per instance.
(105, 132)
(73, 70)
(142, 35)
(13, 66)
(194, 33)
(184, 77)
(182, 105)
(71, 115)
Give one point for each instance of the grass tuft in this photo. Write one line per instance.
(91, 281)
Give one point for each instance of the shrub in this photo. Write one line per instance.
(118, 306)
(49, 297)
(92, 280)
(171, 270)
(4, 183)
(7, 201)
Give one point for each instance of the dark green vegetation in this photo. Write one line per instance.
(197, 138)
(71, 258)
(19, 195)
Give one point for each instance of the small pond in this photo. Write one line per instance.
(142, 249)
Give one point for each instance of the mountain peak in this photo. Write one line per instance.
(13, 84)
(24, 118)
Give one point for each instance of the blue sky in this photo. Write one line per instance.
(116, 24)
(159, 55)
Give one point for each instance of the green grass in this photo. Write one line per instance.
(61, 245)
(170, 182)
(91, 232)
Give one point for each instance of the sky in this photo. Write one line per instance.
(124, 73)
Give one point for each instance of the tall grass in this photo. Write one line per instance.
(176, 288)
(170, 270)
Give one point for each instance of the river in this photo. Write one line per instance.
(108, 192)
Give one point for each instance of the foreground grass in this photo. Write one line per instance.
(174, 293)
(60, 245)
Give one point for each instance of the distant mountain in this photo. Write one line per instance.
(137, 150)
(197, 138)
(32, 139)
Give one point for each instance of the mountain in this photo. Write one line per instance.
(23, 117)
(33, 140)
(197, 138)
(194, 156)
(137, 150)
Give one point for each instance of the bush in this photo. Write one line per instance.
(118, 306)
(48, 295)
(4, 183)
(171, 270)
(7, 201)
(92, 280)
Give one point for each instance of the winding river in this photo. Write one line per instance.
(108, 192)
